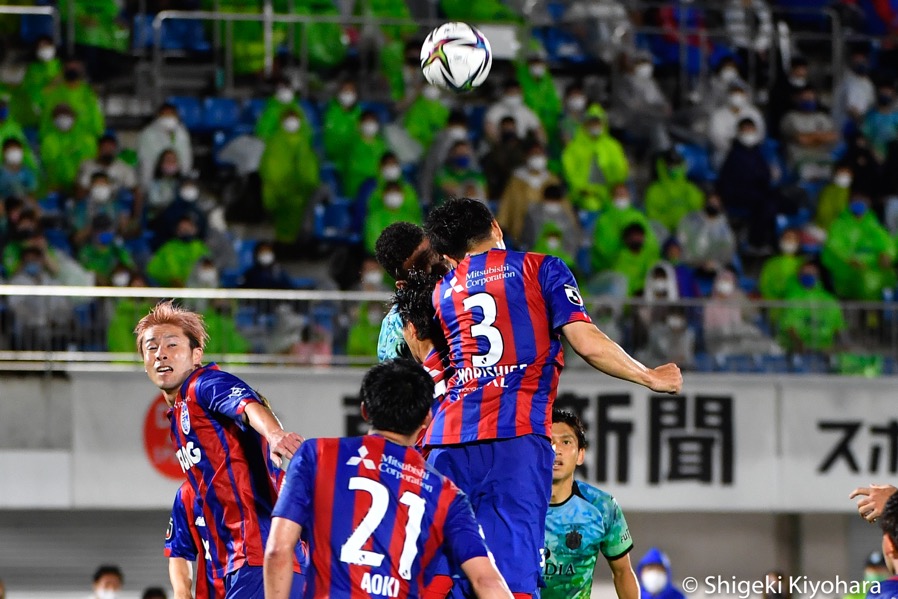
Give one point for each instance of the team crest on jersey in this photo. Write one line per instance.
(573, 540)
(237, 391)
(573, 295)
(362, 459)
(185, 420)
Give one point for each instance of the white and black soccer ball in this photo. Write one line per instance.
(456, 56)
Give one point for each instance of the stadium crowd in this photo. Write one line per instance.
(782, 189)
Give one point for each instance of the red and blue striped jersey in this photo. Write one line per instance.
(502, 314)
(187, 538)
(375, 515)
(228, 465)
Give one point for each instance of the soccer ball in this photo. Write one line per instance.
(456, 56)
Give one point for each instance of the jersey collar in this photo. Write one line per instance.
(575, 492)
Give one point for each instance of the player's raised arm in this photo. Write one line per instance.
(279, 552)
(283, 444)
(873, 500)
(605, 355)
(180, 573)
(486, 579)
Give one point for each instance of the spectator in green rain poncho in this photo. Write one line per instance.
(608, 236)
(834, 196)
(813, 318)
(290, 176)
(672, 196)
(392, 202)
(64, 146)
(780, 272)
(325, 42)
(126, 311)
(362, 156)
(594, 162)
(248, 38)
(16, 179)
(540, 93)
(637, 255)
(458, 177)
(401, 66)
(10, 129)
(98, 24)
(172, 263)
(341, 122)
(75, 92)
(104, 253)
(575, 102)
(224, 338)
(859, 253)
(550, 242)
(481, 10)
(39, 74)
(284, 99)
(364, 332)
(426, 116)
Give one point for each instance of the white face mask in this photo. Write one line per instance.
(643, 70)
(514, 99)
(291, 124)
(266, 258)
(190, 193)
(537, 163)
(750, 139)
(729, 74)
(207, 277)
(284, 95)
(391, 172)
(393, 199)
(653, 581)
(457, 133)
(676, 322)
(725, 287)
(537, 70)
(121, 279)
(553, 208)
(46, 53)
(622, 203)
(346, 98)
(660, 286)
(372, 278)
(789, 247)
(576, 103)
(101, 193)
(431, 92)
(798, 81)
(14, 156)
(842, 180)
(738, 100)
(106, 594)
(375, 315)
(64, 122)
(370, 128)
(596, 131)
(168, 122)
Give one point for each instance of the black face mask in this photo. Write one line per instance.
(71, 75)
(712, 210)
(509, 137)
(106, 159)
(635, 245)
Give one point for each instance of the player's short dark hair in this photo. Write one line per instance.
(457, 225)
(395, 246)
(414, 304)
(560, 416)
(108, 570)
(154, 593)
(888, 521)
(397, 394)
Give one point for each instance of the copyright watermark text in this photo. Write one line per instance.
(792, 585)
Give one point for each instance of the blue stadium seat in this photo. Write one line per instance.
(142, 32)
(381, 109)
(184, 35)
(190, 110)
(333, 221)
(810, 363)
(475, 114)
(742, 363)
(220, 114)
(32, 27)
(51, 204)
(561, 46)
(698, 162)
(59, 239)
(704, 362)
(315, 116)
(775, 364)
(331, 178)
(252, 110)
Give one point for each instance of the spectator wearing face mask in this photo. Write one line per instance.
(218, 317)
(540, 92)
(782, 94)
(108, 582)
(880, 124)
(40, 323)
(728, 324)
(608, 235)
(834, 196)
(511, 104)
(855, 94)
(365, 330)
(456, 130)
(574, 109)
(20, 230)
(709, 243)
(105, 252)
(672, 252)
(74, 92)
(636, 256)
(780, 272)
(458, 175)
(266, 272)
(362, 157)
(552, 209)
(100, 199)
(594, 162)
(10, 128)
(810, 135)
(859, 253)
(39, 74)
(122, 176)
(655, 578)
(64, 146)
(724, 123)
(427, 114)
(283, 100)
(669, 338)
(671, 196)
(641, 106)
(10, 211)
(165, 132)
(726, 75)
(172, 263)
(186, 203)
(341, 122)
(527, 187)
(812, 319)
(16, 179)
(503, 157)
(550, 243)
(392, 203)
(163, 188)
(125, 311)
(290, 177)
(403, 73)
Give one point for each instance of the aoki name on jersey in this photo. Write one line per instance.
(378, 584)
(497, 373)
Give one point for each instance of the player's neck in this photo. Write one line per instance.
(407, 440)
(562, 490)
(170, 397)
(484, 247)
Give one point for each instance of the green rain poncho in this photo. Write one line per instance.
(379, 217)
(9, 128)
(541, 96)
(341, 130)
(102, 259)
(325, 41)
(120, 334)
(635, 266)
(290, 175)
(249, 45)
(27, 98)
(270, 119)
(815, 317)
(860, 240)
(424, 118)
(363, 334)
(62, 153)
(672, 196)
(593, 165)
(97, 24)
(481, 10)
(549, 243)
(778, 275)
(832, 202)
(224, 338)
(362, 163)
(607, 242)
(172, 264)
(82, 99)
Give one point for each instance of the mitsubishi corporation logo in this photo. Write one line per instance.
(362, 459)
(453, 286)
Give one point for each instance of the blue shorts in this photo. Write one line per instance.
(509, 482)
(249, 583)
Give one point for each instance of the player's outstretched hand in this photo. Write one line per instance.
(666, 379)
(284, 445)
(873, 500)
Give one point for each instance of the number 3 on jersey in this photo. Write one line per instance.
(351, 552)
(485, 328)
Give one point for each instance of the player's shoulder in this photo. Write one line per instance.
(211, 374)
(593, 495)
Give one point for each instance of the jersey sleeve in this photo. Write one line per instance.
(225, 394)
(560, 291)
(178, 540)
(390, 339)
(295, 498)
(462, 535)
(617, 541)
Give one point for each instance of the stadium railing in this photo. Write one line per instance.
(58, 328)
(40, 11)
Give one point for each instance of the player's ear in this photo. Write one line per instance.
(497, 230)
(197, 355)
(581, 456)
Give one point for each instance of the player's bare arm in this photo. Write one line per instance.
(625, 583)
(873, 500)
(279, 552)
(605, 355)
(283, 444)
(486, 579)
(180, 573)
